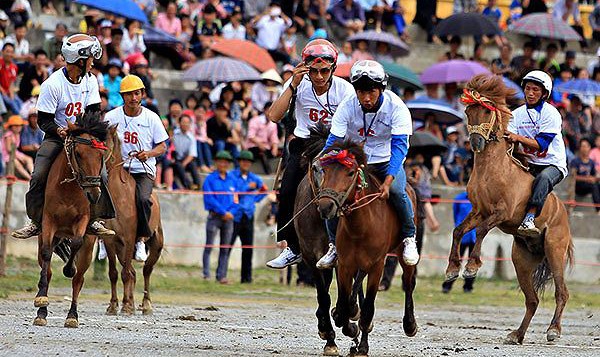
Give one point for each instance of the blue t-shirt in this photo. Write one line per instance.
(30, 136)
(247, 203)
(113, 87)
(493, 13)
(584, 168)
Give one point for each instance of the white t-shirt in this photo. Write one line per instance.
(311, 109)
(531, 122)
(139, 133)
(65, 99)
(230, 32)
(392, 118)
(270, 31)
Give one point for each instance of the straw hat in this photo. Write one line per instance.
(14, 120)
(272, 75)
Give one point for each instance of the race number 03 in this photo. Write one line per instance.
(73, 109)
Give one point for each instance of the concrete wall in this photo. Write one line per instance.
(184, 224)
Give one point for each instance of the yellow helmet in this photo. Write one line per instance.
(130, 83)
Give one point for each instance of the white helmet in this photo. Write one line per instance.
(370, 69)
(81, 46)
(539, 77)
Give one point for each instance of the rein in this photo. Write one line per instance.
(76, 174)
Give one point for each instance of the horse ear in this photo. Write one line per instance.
(113, 129)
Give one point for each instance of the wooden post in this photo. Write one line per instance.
(10, 173)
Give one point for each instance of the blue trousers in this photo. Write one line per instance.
(398, 198)
(204, 155)
(546, 177)
(225, 228)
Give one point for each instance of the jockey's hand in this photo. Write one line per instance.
(142, 156)
(62, 132)
(384, 191)
(511, 137)
(298, 73)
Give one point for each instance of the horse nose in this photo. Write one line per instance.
(93, 195)
(326, 209)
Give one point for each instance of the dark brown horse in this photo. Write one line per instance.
(368, 230)
(73, 183)
(122, 245)
(499, 189)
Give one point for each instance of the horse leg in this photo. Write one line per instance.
(525, 264)
(44, 258)
(341, 313)
(128, 278)
(69, 269)
(471, 221)
(155, 247)
(323, 280)
(357, 296)
(409, 282)
(83, 261)
(113, 275)
(368, 308)
(474, 262)
(556, 251)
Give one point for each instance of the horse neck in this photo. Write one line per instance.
(493, 161)
(59, 171)
(115, 156)
(361, 220)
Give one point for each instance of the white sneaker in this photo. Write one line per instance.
(140, 252)
(30, 230)
(410, 253)
(285, 259)
(97, 228)
(528, 228)
(101, 250)
(329, 259)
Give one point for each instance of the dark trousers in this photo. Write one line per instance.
(143, 203)
(546, 177)
(585, 188)
(468, 285)
(179, 171)
(245, 230)
(293, 174)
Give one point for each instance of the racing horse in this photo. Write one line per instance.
(499, 202)
(368, 230)
(122, 245)
(73, 184)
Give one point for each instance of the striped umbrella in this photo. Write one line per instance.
(580, 87)
(546, 26)
(399, 48)
(246, 51)
(221, 69)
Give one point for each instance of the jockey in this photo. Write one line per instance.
(537, 125)
(380, 120)
(317, 94)
(67, 93)
(143, 137)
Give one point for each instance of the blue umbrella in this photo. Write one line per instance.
(580, 87)
(221, 69)
(512, 85)
(444, 114)
(124, 8)
(154, 36)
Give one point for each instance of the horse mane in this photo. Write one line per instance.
(491, 87)
(354, 148)
(91, 123)
(315, 142)
(114, 144)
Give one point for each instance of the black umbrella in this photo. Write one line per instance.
(427, 144)
(466, 24)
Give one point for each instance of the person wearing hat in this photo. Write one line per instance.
(12, 136)
(4, 23)
(449, 156)
(222, 209)
(66, 93)
(537, 126)
(141, 132)
(112, 83)
(267, 90)
(105, 26)
(243, 221)
(31, 135)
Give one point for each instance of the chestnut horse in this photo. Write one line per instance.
(73, 184)
(122, 245)
(499, 189)
(368, 230)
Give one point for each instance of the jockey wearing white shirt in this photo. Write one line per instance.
(317, 93)
(380, 120)
(537, 125)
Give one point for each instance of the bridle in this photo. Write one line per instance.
(77, 174)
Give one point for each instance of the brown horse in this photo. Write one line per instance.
(499, 189)
(73, 184)
(368, 230)
(122, 245)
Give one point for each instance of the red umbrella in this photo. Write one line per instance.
(246, 51)
(343, 70)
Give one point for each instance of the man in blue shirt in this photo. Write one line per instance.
(243, 221)
(31, 135)
(221, 210)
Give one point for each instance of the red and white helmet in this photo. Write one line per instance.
(319, 50)
(81, 46)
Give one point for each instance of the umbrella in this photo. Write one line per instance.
(399, 48)
(157, 37)
(221, 69)
(512, 85)
(401, 76)
(452, 71)
(546, 26)
(444, 114)
(467, 24)
(246, 51)
(124, 8)
(422, 142)
(580, 87)
(343, 70)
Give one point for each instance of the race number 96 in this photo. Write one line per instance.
(130, 137)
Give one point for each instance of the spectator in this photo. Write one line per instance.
(113, 49)
(595, 153)
(349, 17)
(478, 56)
(492, 12)
(4, 24)
(549, 63)
(203, 142)
(53, 45)
(34, 75)
(8, 75)
(220, 130)
(266, 90)
(452, 96)
(31, 135)
(594, 20)
(133, 38)
(317, 14)
(297, 10)
(533, 6)
(362, 51)
(567, 10)
(270, 28)
(501, 65)
(345, 55)
(20, 11)
(453, 171)
(207, 30)
(175, 111)
(255, 7)
(105, 26)
(577, 123)
(148, 6)
(570, 64)
(420, 179)
(184, 154)
(461, 6)
(22, 55)
(168, 21)
(164, 170)
(452, 54)
(426, 18)
(139, 67)
(231, 6)
(112, 83)
(432, 91)
(288, 42)
(563, 76)
(524, 63)
(235, 28)
(262, 139)
(383, 52)
(243, 226)
(221, 210)
(30, 103)
(12, 136)
(586, 179)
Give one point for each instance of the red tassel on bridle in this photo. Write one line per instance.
(342, 157)
(100, 145)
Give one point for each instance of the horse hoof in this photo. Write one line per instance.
(469, 274)
(147, 311)
(38, 321)
(513, 339)
(41, 301)
(111, 310)
(552, 334)
(411, 330)
(71, 322)
(331, 351)
(451, 276)
(127, 311)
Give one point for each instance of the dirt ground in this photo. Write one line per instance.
(258, 327)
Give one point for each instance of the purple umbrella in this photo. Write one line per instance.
(452, 71)
(221, 69)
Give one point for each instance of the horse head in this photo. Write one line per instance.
(487, 113)
(85, 149)
(339, 173)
